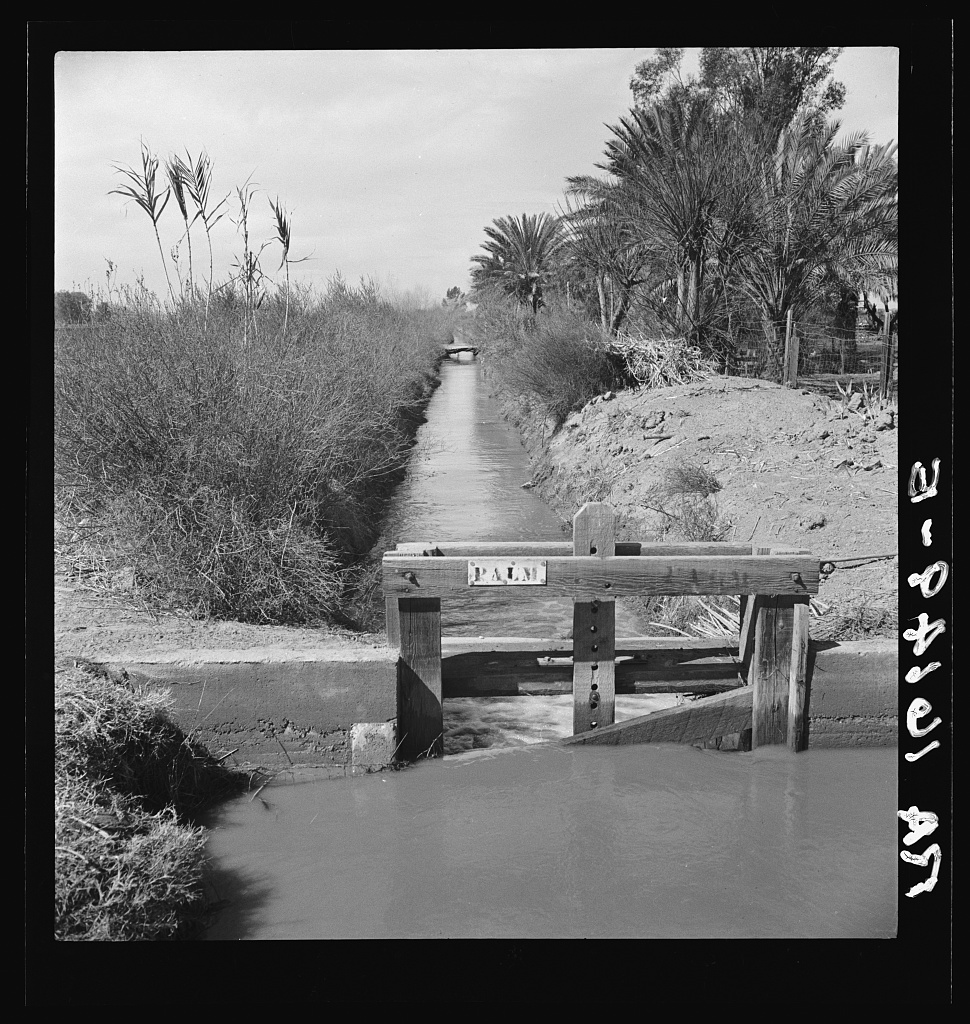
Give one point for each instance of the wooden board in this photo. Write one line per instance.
(706, 719)
(588, 577)
(554, 648)
(594, 626)
(420, 724)
(557, 548)
(769, 669)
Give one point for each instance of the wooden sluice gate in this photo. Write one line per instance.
(775, 584)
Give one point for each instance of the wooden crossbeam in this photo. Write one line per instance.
(584, 578)
(558, 548)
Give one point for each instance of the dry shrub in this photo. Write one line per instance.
(128, 864)
(862, 619)
(683, 499)
(557, 362)
(237, 468)
(662, 362)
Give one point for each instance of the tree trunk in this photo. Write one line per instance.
(601, 292)
(774, 345)
(619, 314)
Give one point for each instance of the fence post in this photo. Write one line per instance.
(420, 723)
(594, 627)
(886, 370)
(791, 354)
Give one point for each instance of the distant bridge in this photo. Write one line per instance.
(454, 350)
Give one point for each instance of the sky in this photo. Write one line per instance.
(390, 163)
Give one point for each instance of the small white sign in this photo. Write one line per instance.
(507, 572)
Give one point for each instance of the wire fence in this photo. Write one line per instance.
(814, 355)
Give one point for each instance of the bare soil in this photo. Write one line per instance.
(794, 467)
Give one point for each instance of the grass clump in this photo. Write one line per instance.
(863, 619)
(129, 863)
(685, 504)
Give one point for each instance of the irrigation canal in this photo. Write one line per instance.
(504, 838)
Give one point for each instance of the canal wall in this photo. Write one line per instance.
(338, 707)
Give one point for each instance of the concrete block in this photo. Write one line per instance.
(372, 745)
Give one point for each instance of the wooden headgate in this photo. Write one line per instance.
(775, 584)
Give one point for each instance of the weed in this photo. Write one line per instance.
(861, 619)
(684, 500)
(865, 403)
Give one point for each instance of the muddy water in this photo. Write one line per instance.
(465, 483)
(551, 842)
(512, 837)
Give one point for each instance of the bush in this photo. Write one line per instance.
(71, 307)
(238, 470)
(558, 360)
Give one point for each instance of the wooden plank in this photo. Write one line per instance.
(749, 604)
(521, 684)
(555, 648)
(700, 720)
(594, 626)
(419, 717)
(770, 669)
(556, 548)
(392, 622)
(798, 677)
(585, 578)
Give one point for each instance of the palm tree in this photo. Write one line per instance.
(677, 192)
(821, 212)
(603, 244)
(520, 256)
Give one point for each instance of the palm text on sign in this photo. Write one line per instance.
(498, 572)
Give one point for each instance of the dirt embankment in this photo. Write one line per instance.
(794, 468)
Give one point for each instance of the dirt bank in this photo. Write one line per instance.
(794, 467)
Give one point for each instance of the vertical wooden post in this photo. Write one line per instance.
(392, 618)
(791, 353)
(798, 677)
(778, 671)
(769, 671)
(419, 716)
(886, 368)
(594, 627)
